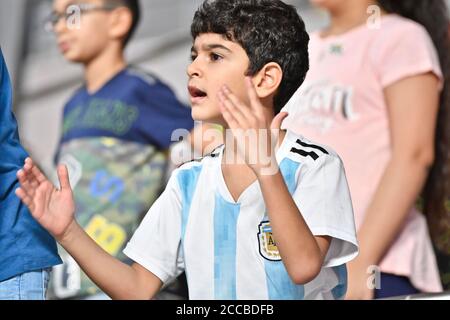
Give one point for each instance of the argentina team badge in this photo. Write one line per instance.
(267, 246)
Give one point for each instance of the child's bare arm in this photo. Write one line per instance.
(54, 210)
(302, 253)
(115, 278)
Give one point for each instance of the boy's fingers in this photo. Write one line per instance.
(242, 108)
(232, 123)
(63, 176)
(232, 111)
(24, 179)
(32, 172)
(278, 120)
(38, 175)
(39, 201)
(28, 166)
(24, 197)
(254, 99)
(21, 176)
(276, 126)
(27, 181)
(20, 193)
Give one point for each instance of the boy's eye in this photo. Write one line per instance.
(215, 57)
(193, 57)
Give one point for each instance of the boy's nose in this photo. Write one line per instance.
(60, 26)
(193, 70)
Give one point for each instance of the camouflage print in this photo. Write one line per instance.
(118, 182)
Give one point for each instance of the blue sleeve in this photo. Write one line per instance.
(12, 155)
(165, 114)
(24, 246)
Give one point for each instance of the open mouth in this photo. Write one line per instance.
(196, 93)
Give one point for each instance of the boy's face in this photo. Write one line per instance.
(215, 62)
(83, 36)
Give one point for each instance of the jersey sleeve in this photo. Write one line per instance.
(323, 198)
(156, 244)
(12, 154)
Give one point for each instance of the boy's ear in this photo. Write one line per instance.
(121, 20)
(268, 80)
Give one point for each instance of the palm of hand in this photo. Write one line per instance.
(52, 208)
(255, 135)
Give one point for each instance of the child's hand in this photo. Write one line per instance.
(53, 209)
(256, 134)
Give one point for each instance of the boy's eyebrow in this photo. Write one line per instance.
(208, 47)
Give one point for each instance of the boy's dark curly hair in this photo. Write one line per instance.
(268, 30)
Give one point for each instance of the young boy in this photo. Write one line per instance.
(240, 226)
(116, 132)
(26, 250)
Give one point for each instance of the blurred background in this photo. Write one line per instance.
(44, 81)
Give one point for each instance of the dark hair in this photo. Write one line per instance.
(268, 30)
(133, 6)
(433, 15)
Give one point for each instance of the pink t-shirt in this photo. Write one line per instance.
(341, 104)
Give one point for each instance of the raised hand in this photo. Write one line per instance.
(255, 133)
(54, 209)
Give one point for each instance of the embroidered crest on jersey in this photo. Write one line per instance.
(267, 246)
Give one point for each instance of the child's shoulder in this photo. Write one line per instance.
(186, 176)
(396, 30)
(397, 23)
(207, 159)
(141, 84)
(143, 78)
(197, 164)
(307, 152)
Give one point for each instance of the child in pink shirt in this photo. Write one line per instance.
(372, 94)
